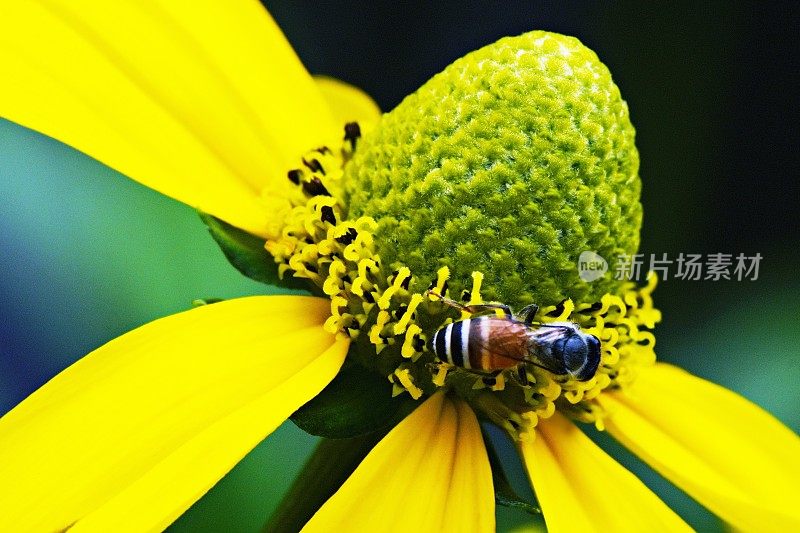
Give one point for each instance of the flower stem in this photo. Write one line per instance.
(331, 463)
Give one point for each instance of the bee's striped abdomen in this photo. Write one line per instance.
(451, 343)
(469, 343)
(478, 346)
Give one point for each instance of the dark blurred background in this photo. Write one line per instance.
(712, 92)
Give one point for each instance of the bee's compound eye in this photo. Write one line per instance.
(576, 351)
(594, 344)
(591, 358)
(582, 356)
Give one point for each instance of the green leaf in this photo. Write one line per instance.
(356, 402)
(504, 493)
(246, 252)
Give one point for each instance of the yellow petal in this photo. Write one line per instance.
(429, 474)
(581, 488)
(347, 102)
(131, 435)
(724, 451)
(203, 101)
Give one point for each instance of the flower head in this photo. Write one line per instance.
(511, 162)
(482, 186)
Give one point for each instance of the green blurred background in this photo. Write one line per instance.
(88, 255)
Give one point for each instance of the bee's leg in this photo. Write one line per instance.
(446, 301)
(491, 379)
(522, 374)
(528, 313)
(474, 308)
(480, 308)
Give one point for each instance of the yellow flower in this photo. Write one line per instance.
(209, 105)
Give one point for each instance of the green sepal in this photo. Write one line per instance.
(247, 254)
(515, 502)
(504, 493)
(356, 402)
(199, 302)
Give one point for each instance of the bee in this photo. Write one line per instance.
(489, 344)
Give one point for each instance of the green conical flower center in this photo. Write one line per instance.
(488, 182)
(512, 161)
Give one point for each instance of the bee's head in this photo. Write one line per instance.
(580, 353)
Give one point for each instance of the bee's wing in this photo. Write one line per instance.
(508, 339)
(540, 343)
